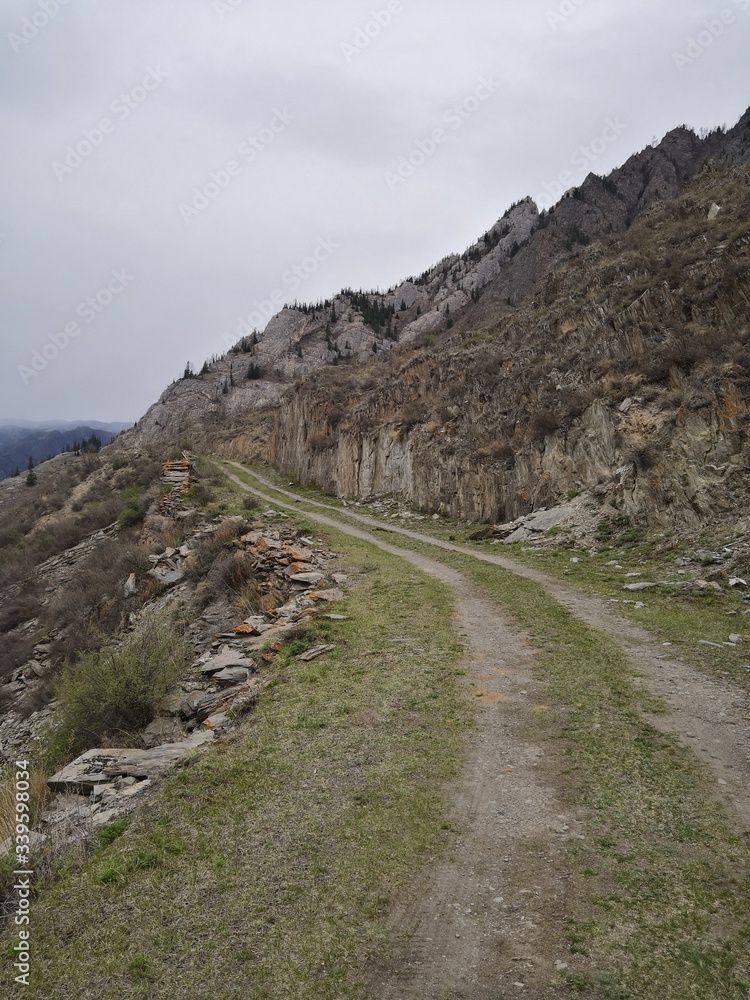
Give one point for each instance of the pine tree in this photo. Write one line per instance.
(31, 476)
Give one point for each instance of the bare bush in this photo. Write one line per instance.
(498, 451)
(542, 423)
(322, 442)
(92, 604)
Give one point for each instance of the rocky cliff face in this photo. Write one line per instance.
(628, 374)
(597, 345)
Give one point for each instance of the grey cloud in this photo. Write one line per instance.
(323, 175)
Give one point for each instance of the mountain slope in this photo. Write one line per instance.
(527, 265)
(18, 444)
(628, 374)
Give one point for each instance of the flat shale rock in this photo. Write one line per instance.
(227, 658)
(328, 595)
(100, 767)
(231, 676)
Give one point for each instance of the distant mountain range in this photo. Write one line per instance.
(21, 440)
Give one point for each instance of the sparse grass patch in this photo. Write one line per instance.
(38, 795)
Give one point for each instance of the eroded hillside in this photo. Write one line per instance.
(490, 286)
(627, 373)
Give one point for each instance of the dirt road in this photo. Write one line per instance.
(490, 914)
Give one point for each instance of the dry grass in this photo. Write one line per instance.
(38, 796)
(92, 604)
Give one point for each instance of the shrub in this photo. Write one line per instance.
(91, 604)
(644, 457)
(110, 696)
(231, 572)
(134, 510)
(201, 494)
(321, 442)
(499, 451)
(250, 503)
(542, 423)
(22, 607)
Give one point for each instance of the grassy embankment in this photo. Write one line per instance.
(678, 616)
(265, 867)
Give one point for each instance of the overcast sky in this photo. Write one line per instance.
(168, 165)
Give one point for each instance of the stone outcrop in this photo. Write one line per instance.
(291, 576)
(627, 375)
(223, 405)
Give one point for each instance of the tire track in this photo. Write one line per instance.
(707, 715)
(490, 914)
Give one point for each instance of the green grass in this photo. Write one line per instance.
(114, 693)
(667, 911)
(660, 907)
(266, 866)
(680, 617)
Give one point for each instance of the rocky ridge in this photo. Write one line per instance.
(625, 375)
(219, 405)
